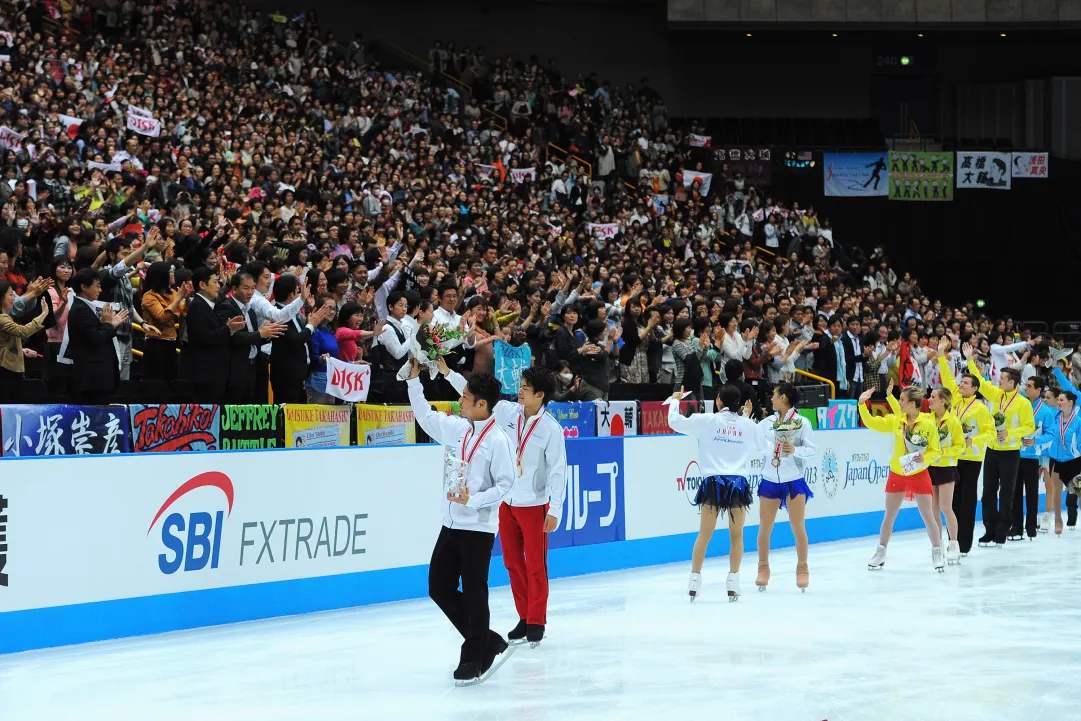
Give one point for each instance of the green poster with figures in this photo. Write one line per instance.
(919, 175)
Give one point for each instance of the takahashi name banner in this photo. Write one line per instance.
(983, 169)
(1030, 165)
(856, 175)
(921, 175)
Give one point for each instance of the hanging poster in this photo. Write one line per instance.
(655, 416)
(385, 425)
(617, 418)
(856, 175)
(510, 361)
(1030, 165)
(312, 426)
(984, 169)
(579, 420)
(918, 175)
(755, 163)
(250, 427)
(174, 427)
(54, 430)
(348, 381)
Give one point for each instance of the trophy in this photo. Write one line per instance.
(453, 471)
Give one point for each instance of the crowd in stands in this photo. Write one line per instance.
(300, 201)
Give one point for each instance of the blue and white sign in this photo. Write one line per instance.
(510, 361)
(839, 415)
(579, 419)
(856, 175)
(57, 430)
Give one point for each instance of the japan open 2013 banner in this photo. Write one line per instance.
(251, 427)
(54, 430)
(918, 175)
(314, 426)
(174, 427)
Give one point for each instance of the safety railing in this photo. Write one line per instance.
(568, 155)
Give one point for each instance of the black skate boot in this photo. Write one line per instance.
(496, 646)
(987, 540)
(467, 671)
(518, 635)
(534, 633)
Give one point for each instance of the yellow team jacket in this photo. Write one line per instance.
(969, 411)
(955, 448)
(896, 424)
(1014, 405)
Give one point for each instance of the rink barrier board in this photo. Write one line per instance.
(602, 539)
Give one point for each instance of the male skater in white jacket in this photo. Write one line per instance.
(533, 509)
(463, 551)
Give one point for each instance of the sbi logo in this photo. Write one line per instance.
(194, 541)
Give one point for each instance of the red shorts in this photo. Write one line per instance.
(918, 484)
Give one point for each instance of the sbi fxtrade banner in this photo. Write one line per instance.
(847, 475)
(592, 509)
(856, 175)
(209, 520)
(56, 430)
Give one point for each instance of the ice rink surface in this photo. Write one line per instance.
(998, 638)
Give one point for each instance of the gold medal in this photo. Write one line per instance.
(776, 462)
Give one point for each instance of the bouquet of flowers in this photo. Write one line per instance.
(943, 436)
(915, 442)
(1000, 420)
(785, 431)
(970, 428)
(1074, 485)
(431, 343)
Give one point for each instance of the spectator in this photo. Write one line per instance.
(290, 353)
(12, 334)
(209, 336)
(245, 341)
(323, 344)
(58, 375)
(164, 305)
(91, 345)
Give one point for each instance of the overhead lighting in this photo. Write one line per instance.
(1002, 35)
(919, 35)
(835, 35)
(748, 35)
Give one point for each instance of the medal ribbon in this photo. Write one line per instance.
(1003, 410)
(1064, 426)
(465, 441)
(523, 441)
(965, 410)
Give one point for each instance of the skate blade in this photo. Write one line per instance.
(733, 597)
(488, 674)
(516, 642)
(534, 644)
(875, 568)
(693, 596)
(940, 569)
(802, 589)
(761, 588)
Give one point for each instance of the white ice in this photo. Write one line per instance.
(995, 639)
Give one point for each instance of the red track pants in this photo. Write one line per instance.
(525, 554)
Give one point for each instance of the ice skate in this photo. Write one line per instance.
(1058, 526)
(803, 577)
(878, 560)
(694, 585)
(498, 653)
(1015, 535)
(937, 560)
(1045, 521)
(986, 541)
(518, 635)
(534, 634)
(953, 554)
(763, 575)
(733, 587)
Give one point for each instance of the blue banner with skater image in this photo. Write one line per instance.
(856, 175)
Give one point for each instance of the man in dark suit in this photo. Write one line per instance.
(244, 343)
(855, 358)
(733, 373)
(208, 339)
(827, 362)
(289, 355)
(90, 341)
